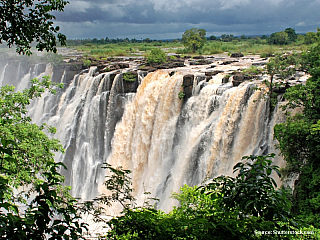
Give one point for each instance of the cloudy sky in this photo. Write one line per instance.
(168, 19)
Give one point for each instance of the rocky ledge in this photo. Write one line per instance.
(215, 69)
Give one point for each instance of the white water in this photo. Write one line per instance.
(164, 142)
(2, 74)
(167, 146)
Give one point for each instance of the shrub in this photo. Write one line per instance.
(181, 95)
(156, 56)
(129, 77)
(86, 63)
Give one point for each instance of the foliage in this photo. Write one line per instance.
(252, 71)
(226, 37)
(130, 77)
(181, 95)
(292, 36)
(282, 66)
(212, 37)
(25, 21)
(123, 47)
(33, 202)
(156, 56)
(279, 38)
(227, 207)
(54, 58)
(299, 139)
(253, 190)
(86, 62)
(194, 39)
(310, 37)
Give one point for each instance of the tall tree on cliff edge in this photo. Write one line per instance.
(25, 21)
(299, 139)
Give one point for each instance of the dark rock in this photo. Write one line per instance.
(259, 64)
(225, 79)
(213, 73)
(174, 64)
(238, 78)
(101, 66)
(236, 83)
(198, 57)
(123, 65)
(228, 62)
(148, 69)
(187, 91)
(209, 74)
(236, 55)
(76, 66)
(188, 80)
(281, 89)
(177, 64)
(41, 68)
(201, 62)
(131, 86)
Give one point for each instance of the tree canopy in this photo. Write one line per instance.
(27, 21)
(194, 38)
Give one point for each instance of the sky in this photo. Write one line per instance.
(169, 19)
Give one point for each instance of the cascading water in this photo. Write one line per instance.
(2, 74)
(165, 142)
(167, 145)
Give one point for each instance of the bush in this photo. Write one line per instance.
(156, 56)
(86, 63)
(226, 208)
(181, 95)
(129, 77)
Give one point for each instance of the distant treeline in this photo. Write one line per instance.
(287, 36)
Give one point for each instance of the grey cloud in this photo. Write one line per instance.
(235, 15)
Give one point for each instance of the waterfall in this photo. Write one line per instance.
(82, 115)
(2, 74)
(167, 145)
(165, 141)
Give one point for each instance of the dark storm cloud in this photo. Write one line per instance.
(126, 18)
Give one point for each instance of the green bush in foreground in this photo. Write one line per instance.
(226, 208)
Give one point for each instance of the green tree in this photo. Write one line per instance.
(25, 21)
(194, 39)
(278, 38)
(310, 37)
(212, 38)
(292, 36)
(282, 66)
(299, 139)
(33, 201)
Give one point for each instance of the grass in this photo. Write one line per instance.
(247, 47)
